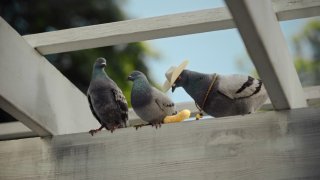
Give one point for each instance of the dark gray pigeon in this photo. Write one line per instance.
(229, 94)
(150, 104)
(107, 103)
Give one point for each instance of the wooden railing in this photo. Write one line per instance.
(49, 104)
(279, 143)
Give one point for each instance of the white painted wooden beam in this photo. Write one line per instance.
(15, 130)
(130, 31)
(311, 94)
(267, 145)
(266, 45)
(36, 93)
(156, 27)
(294, 9)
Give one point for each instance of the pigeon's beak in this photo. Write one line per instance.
(130, 78)
(173, 87)
(104, 64)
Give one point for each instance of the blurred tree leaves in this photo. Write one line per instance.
(245, 65)
(307, 53)
(36, 16)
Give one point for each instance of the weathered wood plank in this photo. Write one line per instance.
(18, 130)
(36, 93)
(261, 33)
(294, 9)
(15, 130)
(311, 94)
(129, 31)
(156, 27)
(269, 145)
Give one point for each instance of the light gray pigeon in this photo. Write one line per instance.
(107, 103)
(223, 95)
(150, 104)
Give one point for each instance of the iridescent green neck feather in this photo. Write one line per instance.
(98, 72)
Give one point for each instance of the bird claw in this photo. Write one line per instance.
(93, 131)
(156, 125)
(115, 127)
(139, 126)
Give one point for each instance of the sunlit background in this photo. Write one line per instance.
(213, 52)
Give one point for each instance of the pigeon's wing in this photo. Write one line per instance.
(92, 110)
(121, 103)
(239, 86)
(163, 102)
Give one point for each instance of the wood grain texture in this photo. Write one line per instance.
(156, 27)
(15, 130)
(294, 9)
(269, 145)
(129, 31)
(36, 93)
(262, 36)
(18, 130)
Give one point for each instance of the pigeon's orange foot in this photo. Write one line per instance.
(93, 131)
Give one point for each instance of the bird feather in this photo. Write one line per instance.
(238, 86)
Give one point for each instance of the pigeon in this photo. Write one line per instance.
(149, 103)
(107, 102)
(223, 95)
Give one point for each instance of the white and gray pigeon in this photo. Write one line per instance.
(149, 103)
(106, 100)
(230, 94)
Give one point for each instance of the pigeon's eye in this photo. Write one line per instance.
(179, 78)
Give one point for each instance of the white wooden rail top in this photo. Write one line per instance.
(157, 27)
(45, 101)
(14, 130)
(270, 145)
(280, 144)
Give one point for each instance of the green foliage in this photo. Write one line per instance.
(305, 42)
(308, 71)
(244, 64)
(308, 40)
(36, 16)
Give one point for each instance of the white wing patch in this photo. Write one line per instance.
(238, 86)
